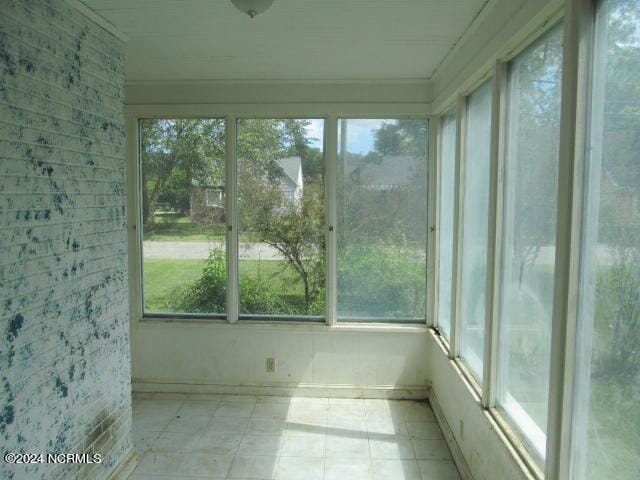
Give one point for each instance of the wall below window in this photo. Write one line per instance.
(64, 348)
(468, 427)
(311, 360)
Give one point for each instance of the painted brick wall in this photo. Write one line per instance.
(64, 343)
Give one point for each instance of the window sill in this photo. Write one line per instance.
(299, 326)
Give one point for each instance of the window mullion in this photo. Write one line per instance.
(432, 231)
(231, 204)
(579, 21)
(494, 245)
(461, 119)
(331, 158)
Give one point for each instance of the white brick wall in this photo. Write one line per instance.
(64, 345)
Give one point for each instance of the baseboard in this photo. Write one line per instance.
(411, 392)
(127, 466)
(456, 452)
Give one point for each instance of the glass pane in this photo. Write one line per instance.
(447, 198)
(475, 223)
(607, 410)
(529, 234)
(281, 217)
(184, 269)
(382, 219)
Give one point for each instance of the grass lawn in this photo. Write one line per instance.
(163, 279)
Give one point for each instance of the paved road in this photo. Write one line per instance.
(199, 249)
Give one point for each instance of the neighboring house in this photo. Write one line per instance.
(207, 202)
(291, 182)
(207, 198)
(393, 172)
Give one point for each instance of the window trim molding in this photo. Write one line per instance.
(330, 113)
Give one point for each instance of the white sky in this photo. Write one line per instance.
(359, 133)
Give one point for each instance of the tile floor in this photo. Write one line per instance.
(280, 438)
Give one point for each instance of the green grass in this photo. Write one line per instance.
(164, 279)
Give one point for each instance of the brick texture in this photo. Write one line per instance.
(64, 344)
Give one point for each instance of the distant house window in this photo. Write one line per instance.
(214, 197)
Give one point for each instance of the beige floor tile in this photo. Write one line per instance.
(237, 409)
(431, 450)
(438, 470)
(395, 470)
(424, 430)
(391, 448)
(347, 468)
(188, 423)
(303, 445)
(194, 464)
(254, 444)
(253, 467)
(339, 446)
(300, 468)
(228, 424)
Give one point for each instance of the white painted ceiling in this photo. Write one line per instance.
(173, 40)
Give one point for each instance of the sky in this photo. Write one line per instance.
(359, 136)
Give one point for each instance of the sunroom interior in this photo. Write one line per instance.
(347, 239)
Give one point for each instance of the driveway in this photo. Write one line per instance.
(199, 250)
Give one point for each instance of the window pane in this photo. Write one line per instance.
(607, 410)
(281, 217)
(447, 197)
(183, 215)
(382, 220)
(475, 223)
(529, 232)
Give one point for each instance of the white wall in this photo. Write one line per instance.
(315, 359)
(260, 92)
(486, 451)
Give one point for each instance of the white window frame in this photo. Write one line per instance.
(578, 24)
(330, 113)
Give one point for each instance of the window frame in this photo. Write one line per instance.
(485, 392)
(330, 113)
(333, 224)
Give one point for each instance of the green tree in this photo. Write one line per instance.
(175, 153)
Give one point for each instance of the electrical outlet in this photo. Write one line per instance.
(271, 365)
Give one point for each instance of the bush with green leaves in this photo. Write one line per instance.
(208, 293)
(381, 281)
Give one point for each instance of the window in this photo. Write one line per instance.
(281, 217)
(529, 233)
(607, 413)
(382, 220)
(474, 231)
(183, 236)
(446, 214)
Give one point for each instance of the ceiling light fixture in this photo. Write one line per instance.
(252, 7)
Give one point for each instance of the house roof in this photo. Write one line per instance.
(291, 167)
(392, 171)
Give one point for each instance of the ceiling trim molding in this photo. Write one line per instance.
(285, 81)
(473, 26)
(98, 19)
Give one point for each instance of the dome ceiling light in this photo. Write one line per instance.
(252, 7)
